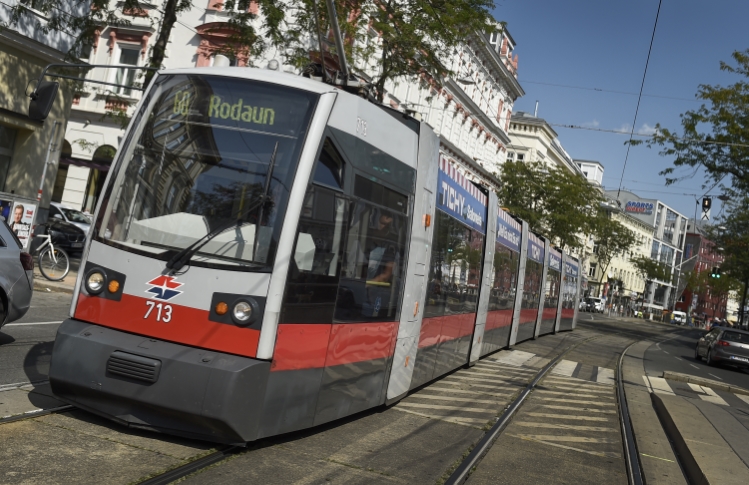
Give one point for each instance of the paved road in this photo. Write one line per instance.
(26, 345)
(677, 355)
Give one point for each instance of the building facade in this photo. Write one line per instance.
(700, 257)
(26, 146)
(471, 113)
(665, 243)
(532, 139)
(592, 170)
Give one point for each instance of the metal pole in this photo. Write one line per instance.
(743, 303)
(51, 148)
(338, 39)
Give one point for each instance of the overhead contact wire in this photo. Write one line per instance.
(639, 97)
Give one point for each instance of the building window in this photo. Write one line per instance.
(128, 57)
(510, 156)
(7, 140)
(592, 270)
(521, 157)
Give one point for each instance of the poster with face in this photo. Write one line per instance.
(20, 220)
(5, 210)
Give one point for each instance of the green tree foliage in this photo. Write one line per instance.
(561, 206)
(650, 269)
(714, 137)
(718, 288)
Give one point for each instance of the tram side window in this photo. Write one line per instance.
(373, 263)
(532, 284)
(504, 276)
(551, 295)
(329, 169)
(454, 269)
(313, 277)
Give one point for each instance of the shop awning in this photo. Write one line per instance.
(104, 167)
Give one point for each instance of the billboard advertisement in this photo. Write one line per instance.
(20, 220)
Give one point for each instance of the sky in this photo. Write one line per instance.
(599, 46)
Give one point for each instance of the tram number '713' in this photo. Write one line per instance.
(163, 312)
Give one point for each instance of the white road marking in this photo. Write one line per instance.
(498, 371)
(515, 357)
(694, 366)
(711, 395)
(678, 358)
(535, 424)
(566, 416)
(446, 408)
(715, 376)
(575, 401)
(16, 385)
(603, 454)
(452, 398)
(564, 368)
(479, 379)
(605, 376)
(658, 385)
(496, 387)
(743, 397)
(31, 323)
(569, 408)
(581, 383)
(559, 386)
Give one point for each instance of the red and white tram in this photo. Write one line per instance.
(271, 253)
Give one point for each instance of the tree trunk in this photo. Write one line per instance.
(159, 48)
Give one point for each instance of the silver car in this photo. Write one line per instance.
(73, 216)
(16, 277)
(724, 344)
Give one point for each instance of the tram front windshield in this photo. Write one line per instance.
(208, 155)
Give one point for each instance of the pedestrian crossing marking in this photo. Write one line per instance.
(743, 397)
(565, 416)
(658, 385)
(482, 373)
(535, 424)
(605, 376)
(570, 439)
(567, 393)
(575, 401)
(465, 391)
(711, 395)
(445, 408)
(564, 368)
(452, 398)
(514, 357)
(487, 366)
(569, 408)
(567, 388)
(499, 380)
(603, 454)
(578, 382)
(470, 422)
(497, 387)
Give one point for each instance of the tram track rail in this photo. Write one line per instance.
(35, 414)
(631, 456)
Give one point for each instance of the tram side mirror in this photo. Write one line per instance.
(42, 100)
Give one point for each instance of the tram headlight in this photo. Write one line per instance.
(95, 282)
(244, 312)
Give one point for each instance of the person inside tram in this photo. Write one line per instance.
(380, 248)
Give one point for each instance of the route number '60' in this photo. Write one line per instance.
(163, 312)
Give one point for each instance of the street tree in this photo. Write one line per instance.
(713, 137)
(703, 283)
(651, 269)
(612, 239)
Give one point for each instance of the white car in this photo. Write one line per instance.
(73, 216)
(595, 304)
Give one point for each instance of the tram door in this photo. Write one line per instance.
(551, 292)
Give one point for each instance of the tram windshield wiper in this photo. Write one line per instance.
(180, 259)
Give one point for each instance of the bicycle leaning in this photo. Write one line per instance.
(54, 263)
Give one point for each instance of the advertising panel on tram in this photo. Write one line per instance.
(570, 286)
(454, 275)
(532, 284)
(504, 282)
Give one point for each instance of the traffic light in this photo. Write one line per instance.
(707, 202)
(715, 273)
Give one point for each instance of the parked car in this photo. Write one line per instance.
(594, 304)
(65, 235)
(724, 344)
(16, 277)
(67, 214)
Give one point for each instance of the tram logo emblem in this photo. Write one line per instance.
(164, 287)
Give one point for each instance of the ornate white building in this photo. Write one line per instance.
(471, 113)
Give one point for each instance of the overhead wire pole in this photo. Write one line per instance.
(639, 98)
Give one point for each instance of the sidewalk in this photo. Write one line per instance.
(65, 286)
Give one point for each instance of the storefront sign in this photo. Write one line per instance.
(508, 231)
(639, 207)
(535, 248)
(20, 220)
(461, 199)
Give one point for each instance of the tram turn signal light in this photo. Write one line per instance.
(221, 308)
(427, 220)
(113, 286)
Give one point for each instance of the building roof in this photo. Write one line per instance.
(590, 162)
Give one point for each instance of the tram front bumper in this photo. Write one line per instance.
(152, 384)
